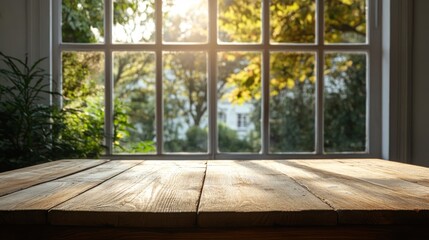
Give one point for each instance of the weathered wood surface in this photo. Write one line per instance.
(253, 193)
(153, 194)
(216, 194)
(30, 206)
(360, 196)
(395, 170)
(26, 177)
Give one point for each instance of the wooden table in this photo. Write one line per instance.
(269, 199)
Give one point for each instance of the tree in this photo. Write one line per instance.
(185, 96)
(292, 76)
(83, 85)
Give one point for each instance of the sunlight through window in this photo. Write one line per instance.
(275, 79)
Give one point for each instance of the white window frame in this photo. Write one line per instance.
(372, 48)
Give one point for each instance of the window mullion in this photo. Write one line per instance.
(265, 78)
(319, 70)
(159, 94)
(56, 52)
(108, 21)
(212, 79)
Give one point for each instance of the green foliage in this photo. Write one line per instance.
(195, 141)
(33, 131)
(78, 17)
(83, 93)
(345, 103)
(292, 78)
(293, 21)
(122, 129)
(134, 98)
(292, 102)
(230, 142)
(240, 21)
(25, 121)
(83, 129)
(345, 21)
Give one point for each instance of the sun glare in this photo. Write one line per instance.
(185, 20)
(183, 7)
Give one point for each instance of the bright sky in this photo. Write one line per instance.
(140, 27)
(182, 7)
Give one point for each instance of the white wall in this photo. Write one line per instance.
(420, 117)
(25, 28)
(13, 27)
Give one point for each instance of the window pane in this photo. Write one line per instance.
(83, 21)
(185, 101)
(134, 102)
(83, 96)
(239, 101)
(345, 102)
(239, 21)
(185, 20)
(133, 21)
(293, 21)
(292, 102)
(345, 21)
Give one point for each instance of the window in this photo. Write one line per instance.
(241, 120)
(221, 116)
(159, 78)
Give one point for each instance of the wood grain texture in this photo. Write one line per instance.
(152, 194)
(358, 198)
(18, 179)
(30, 206)
(252, 193)
(379, 176)
(411, 173)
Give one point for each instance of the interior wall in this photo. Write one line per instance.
(13, 28)
(420, 116)
(25, 30)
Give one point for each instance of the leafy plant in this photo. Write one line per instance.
(32, 131)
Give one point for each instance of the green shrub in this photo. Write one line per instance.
(33, 131)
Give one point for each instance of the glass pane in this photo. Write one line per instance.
(133, 21)
(134, 102)
(83, 97)
(83, 21)
(345, 102)
(185, 20)
(239, 21)
(185, 101)
(345, 21)
(292, 102)
(293, 21)
(239, 101)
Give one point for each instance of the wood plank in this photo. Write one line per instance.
(407, 172)
(253, 193)
(153, 194)
(388, 179)
(18, 179)
(30, 206)
(357, 201)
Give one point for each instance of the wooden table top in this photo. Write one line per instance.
(218, 193)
